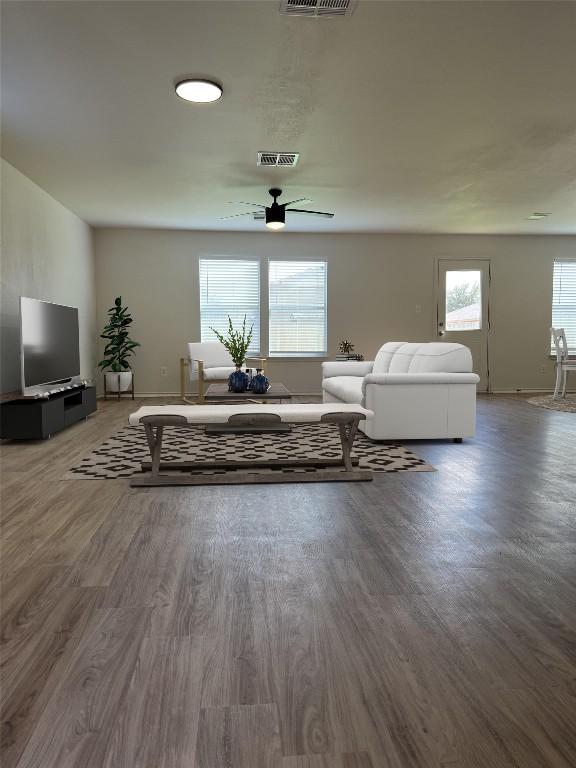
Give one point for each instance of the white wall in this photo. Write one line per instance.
(46, 254)
(375, 283)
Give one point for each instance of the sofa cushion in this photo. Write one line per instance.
(345, 388)
(441, 357)
(423, 357)
(385, 355)
(402, 358)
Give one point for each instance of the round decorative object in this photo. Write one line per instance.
(260, 384)
(237, 381)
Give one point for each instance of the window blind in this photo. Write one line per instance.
(297, 307)
(230, 287)
(564, 300)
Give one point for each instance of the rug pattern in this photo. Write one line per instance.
(567, 404)
(120, 455)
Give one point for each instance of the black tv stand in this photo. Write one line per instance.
(36, 418)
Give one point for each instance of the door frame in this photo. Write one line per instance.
(488, 263)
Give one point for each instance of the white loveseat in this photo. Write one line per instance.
(416, 390)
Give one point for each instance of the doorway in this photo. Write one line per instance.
(463, 309)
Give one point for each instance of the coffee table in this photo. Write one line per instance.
(220, 393)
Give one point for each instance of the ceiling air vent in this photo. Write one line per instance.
(317, 8)
(285, 159)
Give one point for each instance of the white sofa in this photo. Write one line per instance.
(416, 390)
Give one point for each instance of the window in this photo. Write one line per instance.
(463, 300)
(564, 300)
(297, 304)
(230, 287)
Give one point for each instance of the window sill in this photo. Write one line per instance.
(298, 357)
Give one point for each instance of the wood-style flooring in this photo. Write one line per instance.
(421, 620)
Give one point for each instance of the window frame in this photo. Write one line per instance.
(254, 352)
(296, 355)
(570, 340)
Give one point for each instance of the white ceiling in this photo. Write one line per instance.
(409, 116)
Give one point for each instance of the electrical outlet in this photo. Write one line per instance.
(418, 309)
(163, 370)
(544, 369)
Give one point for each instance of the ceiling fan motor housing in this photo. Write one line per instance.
(275, 213)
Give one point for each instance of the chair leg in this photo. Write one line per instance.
(200, 382)
(564, 379)
(183, 366)
(558, 381)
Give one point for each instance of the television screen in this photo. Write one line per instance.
(50, 342)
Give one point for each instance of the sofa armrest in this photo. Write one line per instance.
(421, 378)
(346, 368)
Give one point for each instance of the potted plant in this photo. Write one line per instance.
(237, 343)
(119, 347)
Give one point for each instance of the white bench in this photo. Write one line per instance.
(155, 418)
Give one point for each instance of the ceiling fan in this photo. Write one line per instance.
(275, 214)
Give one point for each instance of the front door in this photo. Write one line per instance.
(463, 309)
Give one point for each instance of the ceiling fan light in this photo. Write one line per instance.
(276, 215)
(199, 91)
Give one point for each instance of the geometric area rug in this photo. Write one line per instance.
(120, 455)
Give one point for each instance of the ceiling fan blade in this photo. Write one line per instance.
(236, 215)
(312, 213)
(300, 200)
(242, 202)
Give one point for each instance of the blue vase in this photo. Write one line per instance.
(260, 384)
(237, 381)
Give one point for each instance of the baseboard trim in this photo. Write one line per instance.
(525, 391)
(192, 395)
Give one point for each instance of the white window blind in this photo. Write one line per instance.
(297, 305)
(564, 300)
(230, 287)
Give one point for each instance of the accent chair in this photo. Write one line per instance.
(207, 363)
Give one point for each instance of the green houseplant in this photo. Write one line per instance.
(236, 342)
(119, 348)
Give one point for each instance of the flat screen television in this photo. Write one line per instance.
(50, 348)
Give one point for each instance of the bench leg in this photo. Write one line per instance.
(155, 446)
(347, 435)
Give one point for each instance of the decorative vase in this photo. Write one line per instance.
(260, 384)
(238, 381)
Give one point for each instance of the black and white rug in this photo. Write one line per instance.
(121, 454)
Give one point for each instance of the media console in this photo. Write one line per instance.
(36, 418)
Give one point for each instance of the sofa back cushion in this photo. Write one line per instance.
(419, 357)
(384, 356)
(441, 357)
(403, 357)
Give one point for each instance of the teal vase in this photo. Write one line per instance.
(238, 381)
(260, 384)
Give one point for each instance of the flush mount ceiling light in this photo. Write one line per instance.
(198, 91)
(536, 216)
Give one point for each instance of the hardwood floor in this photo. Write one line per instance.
(423, 619)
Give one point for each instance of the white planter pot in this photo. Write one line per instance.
(118, 381)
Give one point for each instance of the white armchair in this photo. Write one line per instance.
(422, 390)
(207, 362)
